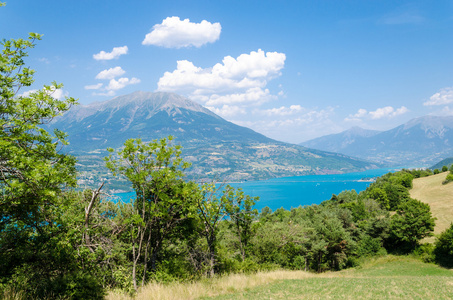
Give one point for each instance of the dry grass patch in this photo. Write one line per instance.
(439, 197)
(210, 287)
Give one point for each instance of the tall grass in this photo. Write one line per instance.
(209, 287)
(387, 277)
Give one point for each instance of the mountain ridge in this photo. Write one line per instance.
(420, 141)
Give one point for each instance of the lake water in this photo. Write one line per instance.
(291, 192)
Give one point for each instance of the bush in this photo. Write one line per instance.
(448, 179)
(443, 251)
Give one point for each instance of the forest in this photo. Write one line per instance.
(59, 241)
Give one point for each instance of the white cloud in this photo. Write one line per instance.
(227, 111)
(58, 94)
(93, 86)
(252, 96)
(387, 112)
(444, 96)
(176, 33)
(121, 83)
(239, 81)
(281, 111)
(110, 73)
(380, 113)
(116, 52)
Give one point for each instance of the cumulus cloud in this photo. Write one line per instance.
(113, 83)
(176, 33)
(235, 81)
(443, 97)
(110, 73)
(116, 52)
(281, 111)
(58, 94)
(227, 111)
(121, 83)
(380, 113)
(387, 112)
(93, 86)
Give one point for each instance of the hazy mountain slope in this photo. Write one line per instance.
(444, 162)
(421, 141)
(217, 148)
(337, 142)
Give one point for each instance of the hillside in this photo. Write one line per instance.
(215, 147)
(439, 197)
(420, 142)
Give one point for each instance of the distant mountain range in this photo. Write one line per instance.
(419, 142)
(215, 147)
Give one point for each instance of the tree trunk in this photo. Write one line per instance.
(88, 209)
(212, 255)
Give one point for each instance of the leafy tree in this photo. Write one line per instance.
(412, 222)
(396, 194)
(163, 201)
(443, 250)
(240, 209)
(211, 211)
(36, 253)
(380, 196)
(444, 169)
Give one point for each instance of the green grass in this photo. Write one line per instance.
(388, 277)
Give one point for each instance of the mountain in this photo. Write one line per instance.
(340, 141)
(444, 162)
(421, 141)
(148, 116)
(215, 147)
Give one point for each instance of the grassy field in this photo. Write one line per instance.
(381, 278)
(388, 277)
(439, 197)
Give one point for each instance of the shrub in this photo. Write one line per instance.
(448, 179)
(443, 251)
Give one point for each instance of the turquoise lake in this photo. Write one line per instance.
(291, 192)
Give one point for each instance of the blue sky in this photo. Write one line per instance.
(292, 70)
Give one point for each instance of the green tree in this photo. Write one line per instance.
(380, 196)
(211, 211)
(443, 250)
(37, 256)
(163, 201)
(411, 223)
(240, 209)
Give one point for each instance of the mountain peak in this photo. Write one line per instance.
(149, 102)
